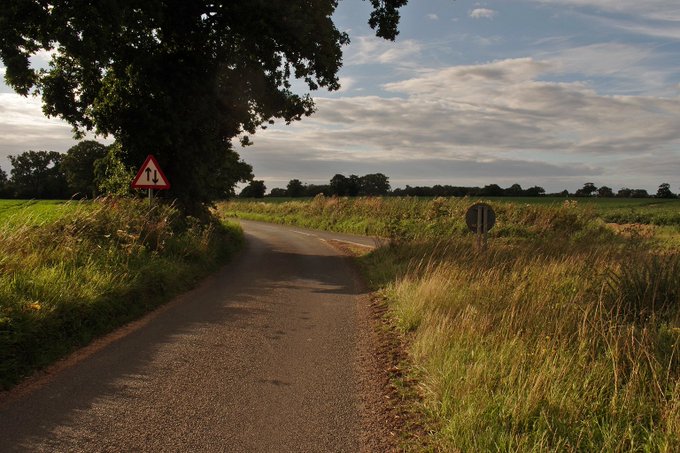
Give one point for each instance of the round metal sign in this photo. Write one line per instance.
(480, 216)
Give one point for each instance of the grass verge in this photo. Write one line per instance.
(533, 349)
(95, 268)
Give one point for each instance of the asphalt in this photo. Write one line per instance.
(260, 357)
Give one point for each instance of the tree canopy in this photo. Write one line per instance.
(255, 189)
(38, 174)
(664, 191)
(78, 166)
(295, 188)
(179, 79)
(4, 187)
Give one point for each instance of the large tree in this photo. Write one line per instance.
(178, 78)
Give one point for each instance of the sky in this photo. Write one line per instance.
(554, 93)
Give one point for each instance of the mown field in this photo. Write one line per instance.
(70, 272)
(563, 336)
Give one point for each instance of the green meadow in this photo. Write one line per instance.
(36, 212)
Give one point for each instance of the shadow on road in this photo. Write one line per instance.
(278, 286)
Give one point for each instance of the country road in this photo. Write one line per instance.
(262, 356)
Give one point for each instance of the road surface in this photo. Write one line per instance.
(262, 356)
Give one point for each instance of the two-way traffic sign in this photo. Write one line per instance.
(150, 176)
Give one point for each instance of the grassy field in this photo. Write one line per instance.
(563, 336)
(72, 271)
(21, 212)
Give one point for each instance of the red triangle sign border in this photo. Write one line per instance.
(163, 183)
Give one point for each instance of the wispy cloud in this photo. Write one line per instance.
(627, 68)
(483, 13)
(433, 17)
(666, 30)
(346, 84)
(664, 10)
(488, 122)
(368, 50)
(24, 127)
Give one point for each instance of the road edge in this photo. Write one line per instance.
(388, 398)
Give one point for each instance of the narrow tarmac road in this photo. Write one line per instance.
(261, 357)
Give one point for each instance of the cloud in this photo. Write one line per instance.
(433, 17)
(488, 122)
(483, 13)
(24, 127)
(628, 68)
(371, 50)
(277, 168)
(346, 84)
(667, 30)
(654, 18)
(510, 92)
(23, 114)
(662, 10)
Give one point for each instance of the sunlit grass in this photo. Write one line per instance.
(525, 349)
(16, 213)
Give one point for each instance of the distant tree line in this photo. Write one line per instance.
(494, 190)
(83, 171)
(491, 190)
(378, 184)
(375, 184)
(590, 190)
(90, 169)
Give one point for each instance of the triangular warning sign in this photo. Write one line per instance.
(150, 176)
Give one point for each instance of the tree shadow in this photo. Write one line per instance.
(237, 297)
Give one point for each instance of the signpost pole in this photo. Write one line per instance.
(150, 197)
(485, 227)
(480, 218)
(480, 227)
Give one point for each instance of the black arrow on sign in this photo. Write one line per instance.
(148, 172)
(155, 177)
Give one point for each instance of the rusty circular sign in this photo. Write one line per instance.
(480, 216)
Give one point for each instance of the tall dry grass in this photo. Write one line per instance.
(407, 219)
(541, 347)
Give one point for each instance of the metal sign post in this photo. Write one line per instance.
(480, 218)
